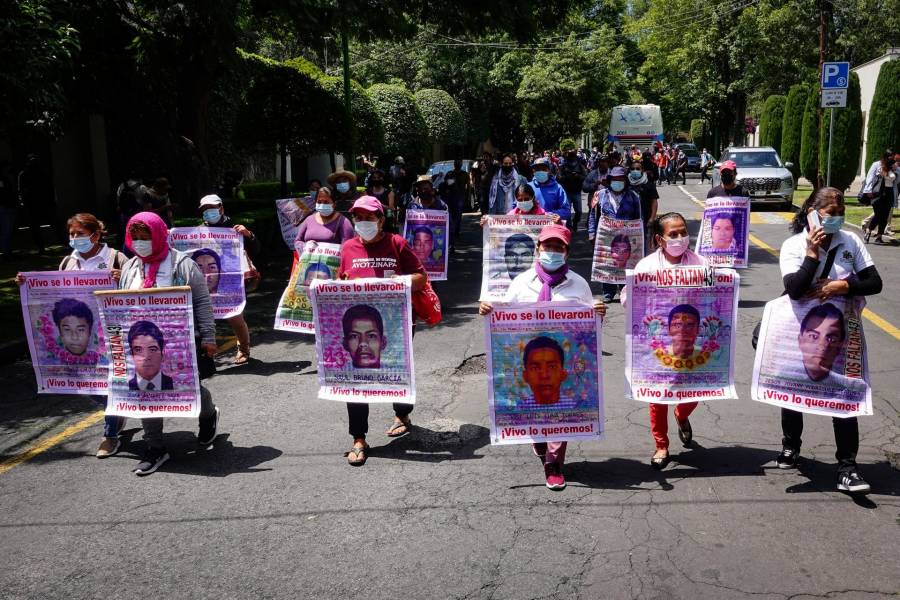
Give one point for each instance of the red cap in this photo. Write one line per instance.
(555, 232)
(367, 204)
(728, 165)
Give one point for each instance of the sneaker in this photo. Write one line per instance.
(555, 479)
(208, 428)
(151, 461)
(108, 447)
(850, 481)
(685, 433)
(788, 458)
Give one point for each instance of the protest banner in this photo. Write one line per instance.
(62, 325)
(219, 252)
(317, 261)
(680, 334)
(811, 357)
(150, 342)
(618, 246)
(364, 340)
(291, 212)
(544, 373)
(509, 249)
(724, 237)
(427, 233)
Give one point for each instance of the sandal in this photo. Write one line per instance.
(242, 357)
(356, 456)
(405, 425)
(660, 462)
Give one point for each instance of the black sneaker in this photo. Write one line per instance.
(850, 481)
(151, 461)
(788, 458)
(208, 429)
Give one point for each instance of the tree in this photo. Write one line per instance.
(771, 121)
(442, 116)
(847, 145)
(884, 115)
(809, 140)
(792, 125)
(405, 131)
(698, 128)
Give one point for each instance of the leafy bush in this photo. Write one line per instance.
(791, 126)
(698, 129)
(405, 131)
(771, 121)
(809, 139)
(884, 115)
(847, 144)
(364, 125)
(567, 144)
(442, 115)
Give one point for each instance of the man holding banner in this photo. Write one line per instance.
(724, 237)
(548, 416)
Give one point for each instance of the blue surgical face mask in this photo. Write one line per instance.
(541, 176)
(325, 209)
(343, 187)
(81, 244)
(525, 205)
(142, 248)
(551, 261)
(832, 224)
(367, 230)
(617, 186)
(211, 215)
(313, 194)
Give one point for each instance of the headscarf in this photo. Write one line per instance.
(550, 280)
(503, 186)
(159, 237)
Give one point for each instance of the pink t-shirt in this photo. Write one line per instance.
(337, 231)
(391, 255)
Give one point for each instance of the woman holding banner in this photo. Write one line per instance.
(155, 264)
(326, 225)
(822, 260)
(90, 253)
(525, 204)
(617, 201)
(376, 253)
(673, 249)
(551, 280)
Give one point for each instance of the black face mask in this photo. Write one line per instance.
(507, 168)
(426, 194)
(728, 178)
(377, 182)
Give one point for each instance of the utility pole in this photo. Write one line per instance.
(345, 50)
(823, 41)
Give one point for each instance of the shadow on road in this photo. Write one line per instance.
(426, 445)
(222, 459)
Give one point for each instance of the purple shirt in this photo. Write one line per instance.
(336, 232)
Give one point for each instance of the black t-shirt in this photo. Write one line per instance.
(720, 191)
(647, 192)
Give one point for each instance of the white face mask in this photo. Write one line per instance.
(677, 246)
(325, 209)
(367, 230)
(525, 205)
(142, 248)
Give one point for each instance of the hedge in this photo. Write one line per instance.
(771, 121)
(884, 115)
(792, 125)
(847, 142)
(442, 115)
(698, 129)
(809, 140)
(405, 131)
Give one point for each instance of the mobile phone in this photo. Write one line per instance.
(813, 220)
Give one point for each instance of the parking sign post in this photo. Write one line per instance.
(835, 81)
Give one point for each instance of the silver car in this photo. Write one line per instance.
(762, 174)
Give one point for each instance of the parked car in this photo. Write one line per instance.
(438, 170)
(762, 175)
(693, 157)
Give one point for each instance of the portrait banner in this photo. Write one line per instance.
(153, 361)
(509, 249)
(427, 232)
(544, 373)
(364, 340)
(724, 237)
(680, 334)
(219, 252)
(811, 357)
(291, 212)
(618, 246)
(62, 325)
(317, 261)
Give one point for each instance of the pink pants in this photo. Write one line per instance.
(659, 421)
(554, 452)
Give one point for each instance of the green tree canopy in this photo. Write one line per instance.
(405, 131)
(444, 119)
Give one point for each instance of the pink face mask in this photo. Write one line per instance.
(677, 246)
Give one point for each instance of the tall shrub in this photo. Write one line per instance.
(809, 139)
(884, 115)
(771, 121)
(791, 126)
(405, 132)
(847, 141)
(442, 115)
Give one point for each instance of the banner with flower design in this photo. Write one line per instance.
(427, 233)
(62, 324)
(724, 237)
(680, 334)
(153, 357)
(317, 261)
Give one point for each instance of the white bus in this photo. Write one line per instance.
(639, 124)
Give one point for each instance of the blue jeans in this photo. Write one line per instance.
(112, 425)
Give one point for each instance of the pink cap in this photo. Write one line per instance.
(555, 232)
(728, 165)
(367, 204)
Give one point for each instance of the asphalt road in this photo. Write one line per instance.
(273, 511)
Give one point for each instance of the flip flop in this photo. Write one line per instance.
(392, 432)
(356, 456)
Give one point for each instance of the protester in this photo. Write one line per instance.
(662, 166)
(681, 166)
(525, 204)
(597, 178)
(572, 174)
(729, 185)
(155, 264)
(646, 189)
(377, 187)
(706, 162)
(213, 213)
(375, 253)
(478, 177)
(454, 190)
(551, 280)
(618, 201)
(157, 200)
(398, 177)
(548, 192)
(326, 225)
(502, 191)
(673, 249)
(344, 192)
(823, 260)
(880, 187)
(90, 253)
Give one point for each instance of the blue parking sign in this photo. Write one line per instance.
(835, 75)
